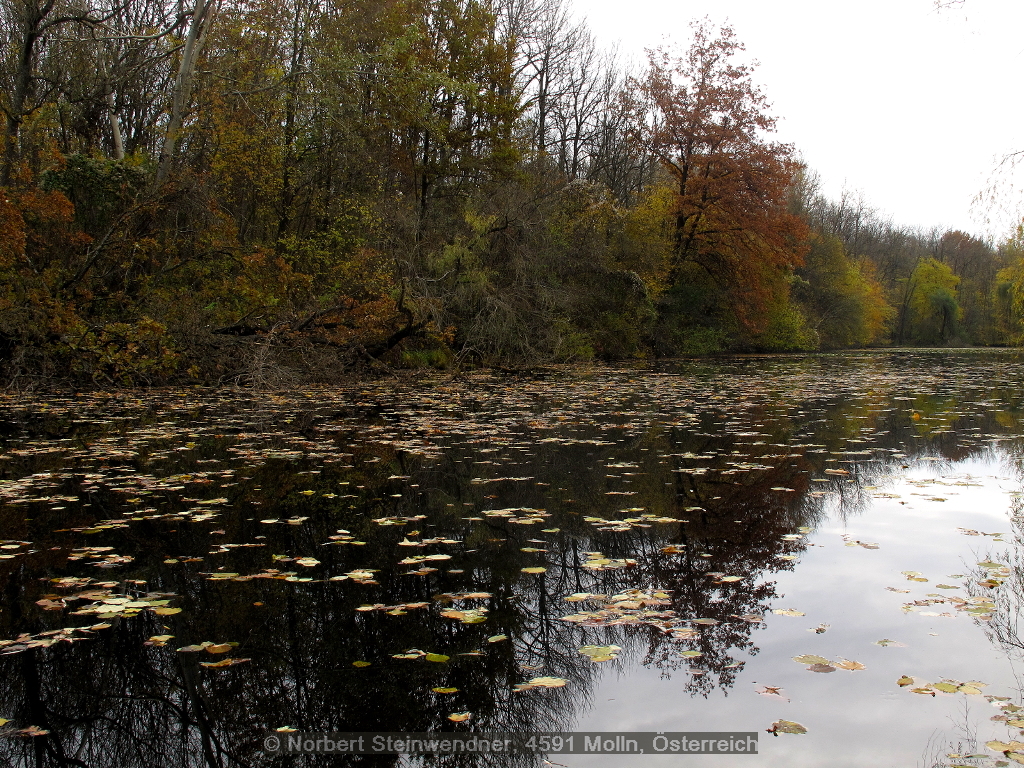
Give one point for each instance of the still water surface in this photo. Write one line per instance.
(186, 571)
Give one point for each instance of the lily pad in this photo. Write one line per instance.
(810, 658)
(787, 726)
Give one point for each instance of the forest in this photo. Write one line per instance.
(263, 193)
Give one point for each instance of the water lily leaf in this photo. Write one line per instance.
(220, 648)
(810, 658)
(690, 654)
(164, 611)
(460, 717)
(850, 665)
(970, 690)
(946, 687)
(887, 642)
(308, 562)
(821, 668)
(600, 652)
(905, 681)
(360, 663)
(923, 691)
(787, 726)
(706, 622)
(788, 612)
(438, 657)
(547, 682)
(4, 721)
(535, 569)
(497, 638)
(444, 690)
(223, 662)
(731, 578)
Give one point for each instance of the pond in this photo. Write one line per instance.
(822, 543)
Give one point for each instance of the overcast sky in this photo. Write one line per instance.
(911, 106)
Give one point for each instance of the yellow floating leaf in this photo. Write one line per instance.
(360, 663)
(787, 726)
(850, 665)
(535, 569)
(460, 717)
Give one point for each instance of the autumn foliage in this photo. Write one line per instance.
(311, 188)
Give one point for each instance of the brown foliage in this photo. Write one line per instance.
(706, 122)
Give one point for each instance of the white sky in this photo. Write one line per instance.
(911, 106)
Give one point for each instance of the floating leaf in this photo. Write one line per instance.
(360, 663)
(788, 612)
(787, 726)
(905, 681)
(445, 690)
(460, 717)
(164, 611)
(223, 662)
(810, 658)
(821, 668)
(887, 642)
(220, 648)
(852, 666)
(497, 638)
(438, 657)
(534, 569)
(690, 654)
(541, 682)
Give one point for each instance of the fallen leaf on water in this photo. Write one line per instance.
(497, 638)
(360, 663)
(852, 666)
(444, 690)
(810, 658)
(788, 612)
(772, 692)
(460, 717)
(223, 662)
(886, 642)
(535, 569)
(600, 652)
(821, 668)
(541, 682)
(786, 726)
(219, 648)
(438, 657)
(690, 654)
(905, 681)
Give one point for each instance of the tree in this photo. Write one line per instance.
(706, 122)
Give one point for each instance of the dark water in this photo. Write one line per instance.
(309, 538)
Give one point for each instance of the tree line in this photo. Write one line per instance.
(215, 190)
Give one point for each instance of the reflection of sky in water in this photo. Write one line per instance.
(855, 718)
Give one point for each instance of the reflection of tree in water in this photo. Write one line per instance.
(113, 701)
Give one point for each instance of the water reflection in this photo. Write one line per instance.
(271, 521)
